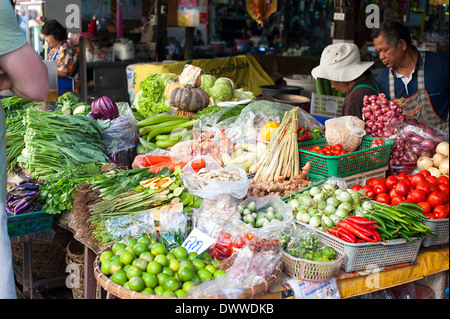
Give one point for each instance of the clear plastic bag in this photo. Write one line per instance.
(262, 206)
(214, 180)
(345, 130)
(413, 139)
(249, 269)
(173, 227)
(131, 225)
(215, 214)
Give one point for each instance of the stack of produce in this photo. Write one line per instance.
(324, 207)
(438, 164)
(70, 104)
(144, 265)
(306, 245)
(412, 140)
(164, 130)
(15, 110)
(23, 198)
(403, 220)
(55, 142)
(323, 87)
(423, 189)
(378, 111)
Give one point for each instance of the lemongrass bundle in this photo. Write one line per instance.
(280, 158)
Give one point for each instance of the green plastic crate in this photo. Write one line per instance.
(364, 159)
(29, 223)
(318, 181)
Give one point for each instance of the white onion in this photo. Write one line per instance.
(442, 148)
(443, 167)
(434, 171)
(424, 163)
(437, 159)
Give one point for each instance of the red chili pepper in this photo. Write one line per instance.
(303, 134)
(356, 232)
(362, 229)
(377, 235)
(345, 235)
(360, 220)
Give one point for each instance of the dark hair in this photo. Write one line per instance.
(54, 28)
(392, 32)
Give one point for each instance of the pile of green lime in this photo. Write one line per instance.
(145, 266)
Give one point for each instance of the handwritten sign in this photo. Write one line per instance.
(197, 241)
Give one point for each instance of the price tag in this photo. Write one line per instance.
(197, 241)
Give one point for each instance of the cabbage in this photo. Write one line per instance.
(207, 81)
(240, 94)
(221, 91)
(151, 99)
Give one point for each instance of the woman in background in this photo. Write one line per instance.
(65, 55)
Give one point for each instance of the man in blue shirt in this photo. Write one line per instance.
(422, 78)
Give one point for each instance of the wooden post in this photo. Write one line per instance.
(344, 20)
(82, 69)
(188, 46)
(161, 29)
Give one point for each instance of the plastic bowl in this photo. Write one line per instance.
(270, 90)
(292, 99)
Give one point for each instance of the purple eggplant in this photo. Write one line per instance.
(25, 207)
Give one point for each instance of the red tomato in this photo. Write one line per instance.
(369, 191)
(435, 199)
(440, 211)
(416, 179)
(390, 182)
(426, 206)
(402, 188)
(402, 177)
(417, 195)
(425, 186)
(443, 179)
(392, 193)
(397, 199)
(379, 188)
(443, 188)
(383, 198)
(356, 187)
(433, 180)
(425, 173)
(338, 147)
(370, 181)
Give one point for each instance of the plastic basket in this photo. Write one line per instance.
(29, 224)
(364, 159)
(366, 256)
(440, 226)
(326, 105)
(361, 179)
(406, 168)
(311, 270)
(317, 180)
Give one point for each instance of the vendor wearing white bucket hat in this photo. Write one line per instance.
(341, 64)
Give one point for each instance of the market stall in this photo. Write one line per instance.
(197, 189)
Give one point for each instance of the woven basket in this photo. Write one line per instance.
(124, 293)
(311, 270)
(48, 258)
(75, 261)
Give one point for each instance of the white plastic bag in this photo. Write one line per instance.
(207, 182)
(345, 130)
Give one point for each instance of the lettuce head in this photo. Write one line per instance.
(150, 98)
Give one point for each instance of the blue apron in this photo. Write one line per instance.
(65, 84)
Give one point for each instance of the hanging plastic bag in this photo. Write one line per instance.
(121, 137)
(345, 130)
